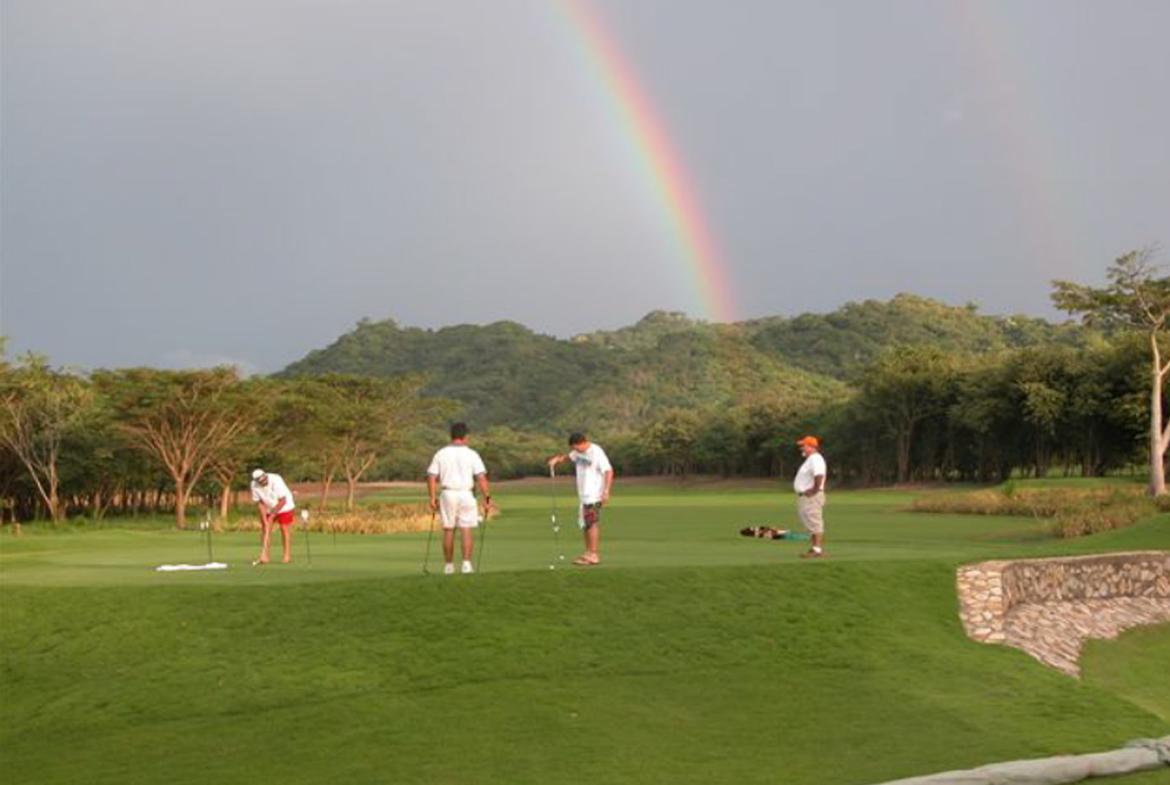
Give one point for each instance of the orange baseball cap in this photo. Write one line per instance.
(810, 441)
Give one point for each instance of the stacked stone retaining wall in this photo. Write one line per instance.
(1049, 607)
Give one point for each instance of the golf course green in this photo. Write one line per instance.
(692, 655)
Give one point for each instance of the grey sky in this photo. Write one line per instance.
(195, 182)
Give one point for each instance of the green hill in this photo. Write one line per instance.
(506, 374)
(837, 343)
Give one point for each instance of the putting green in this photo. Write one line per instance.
(646, 526)
(692, 656)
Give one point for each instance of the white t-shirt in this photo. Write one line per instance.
(592, 465)
(456, 466)
(270, 494)
(813, 467)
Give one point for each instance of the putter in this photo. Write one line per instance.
(430, 537)
(205, 525)
(558, 555)
(305, 526)
(487, 513)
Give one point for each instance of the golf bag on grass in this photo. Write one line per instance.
(771, 533)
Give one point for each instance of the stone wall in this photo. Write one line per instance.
(1049, 607)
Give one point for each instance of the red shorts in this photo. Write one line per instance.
(283, 518)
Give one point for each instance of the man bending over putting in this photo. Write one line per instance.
(594, 480)
(457, 469)
(275, 502)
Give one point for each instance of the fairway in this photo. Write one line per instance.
(692, 655)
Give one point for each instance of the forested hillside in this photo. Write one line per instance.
(506, 374)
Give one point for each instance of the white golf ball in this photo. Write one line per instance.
(552, 566)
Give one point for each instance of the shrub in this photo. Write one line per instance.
(376, 518)
(1073, 512)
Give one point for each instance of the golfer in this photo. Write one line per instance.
(275, 502)
(457, 469)
(594, 480)
(810, 495)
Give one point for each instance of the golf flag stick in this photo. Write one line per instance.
(431, 536)
(206, 526)
(305, 526)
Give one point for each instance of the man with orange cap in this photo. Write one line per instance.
(810, 495)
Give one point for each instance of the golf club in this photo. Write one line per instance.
(558, 554)
(487, 512)
(305, 526)
(430, 537)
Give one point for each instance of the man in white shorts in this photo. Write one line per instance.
(274, 500)
(456, 469)
(594, 480)
(810, 495)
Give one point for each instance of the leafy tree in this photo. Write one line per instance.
(182, 419)
(364, 417)
(672, 439)
(1137, 299)
(905, 387)
(39, 409)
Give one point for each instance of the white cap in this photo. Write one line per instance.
(257, 474)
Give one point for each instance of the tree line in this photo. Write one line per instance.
(923, 414)
(140, 440)
(133, 440)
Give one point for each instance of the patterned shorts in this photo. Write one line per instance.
(589, 515)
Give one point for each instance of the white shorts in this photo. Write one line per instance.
(458, 509)
(810, 511)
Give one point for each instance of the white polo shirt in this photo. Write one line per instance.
(456, 466)
(813, 467)
(270, 494)
(592, 465)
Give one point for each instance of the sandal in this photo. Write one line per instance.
(586, 561)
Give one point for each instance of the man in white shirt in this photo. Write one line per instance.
(275, 502)
(456, 469)
(810, 495)
(594, 480)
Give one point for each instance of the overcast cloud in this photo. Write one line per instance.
(195, 182)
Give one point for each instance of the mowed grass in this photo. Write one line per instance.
(692, 656)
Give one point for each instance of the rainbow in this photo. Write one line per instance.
(658, 159)
(1032, 158)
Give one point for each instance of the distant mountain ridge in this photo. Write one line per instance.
(506, 374)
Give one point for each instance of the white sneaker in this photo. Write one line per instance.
(467, 568)
(449, 569)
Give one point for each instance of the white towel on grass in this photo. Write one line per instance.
(215, 565)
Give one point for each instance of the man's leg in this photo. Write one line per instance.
(448, 544)
(265, 534)
(284, 538)
(813, 517)
(588, 522)
(593, 541)
(468, 543)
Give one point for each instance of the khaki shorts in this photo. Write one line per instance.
(809, 510)
(458, 509)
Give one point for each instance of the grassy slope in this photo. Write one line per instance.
(731, 661)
